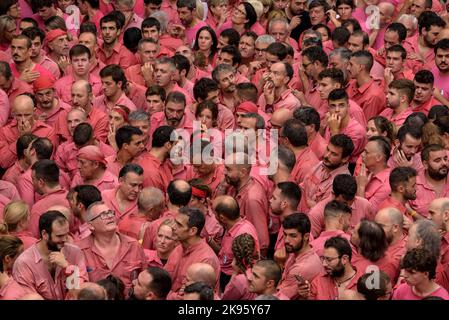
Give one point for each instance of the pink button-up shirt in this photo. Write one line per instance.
(361, 208)
(11, 290)
(306, 264)
(370, 97)
(55, 116)
(106, 182)
(323, 287)
(397, 119)
(212, 182)
(170, 8)
(286, 100)
(378, 188)
(50, 65)
(63, 87)
(416, 163)
(405, 292)
(5, 109)
(318, 145)
(441, 81)
(212, 228)
(305, 160)
(26, 237)
(133, 225)
(128, 263)
(425, 194)
(397, 250)
(237, 289)
(18, 87)
(426, 106)
(31, 271)
(318, 243)
(392, 203)
(318, 184)
(191, 32)
(180, 260)
(225, 255)
(110, 199)
(102, 104)
(13, 173)
(8, 190)
(156, 174)
(253, 203)
(386, 264)
(120, 56)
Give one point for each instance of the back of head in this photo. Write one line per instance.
(161, 136)
(204, 291)
(92, 291)
(297, 221)
(291, 192)
(48, 171)
(371, 292)
(228, 207)
(429, 236)
(10, 246)
(344, 185)
(161, 283)
(272, 271)
(87, 194)
(82, 134)
(373, 241)
(43, 148)
(334, 208)
(295, 132)
(114, 286)
(179, 192)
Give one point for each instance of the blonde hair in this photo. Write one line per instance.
(13, 214)
(258, 7)
(276, 14)
(200, 9)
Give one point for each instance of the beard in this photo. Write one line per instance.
(296, 248)
(331, 166)
(338, 271)
(52, 246)
(437, 174)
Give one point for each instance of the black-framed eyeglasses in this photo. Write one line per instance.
(104, 215)
(328, 259)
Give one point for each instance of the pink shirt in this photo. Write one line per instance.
(37, 67)
(120, 56)
(318, 243)
(150, 234)
(169, 7)
(237, 289)
(133, 225)
(105, 106)
(405, 292)
(13, 173)
(180, 259)
(18, 87)
(305, 160)
(5, 108)
(318, 184)
(386, 264)
(212, 182)
(378, 188)
(225, 255)
(397, 119)
(355, 112)
(253, 203)
(106, 182)
(8, 190)
(318, 145)
(212, 228)
(416, 163)
(429, 57)
(426, 106)
(53, 117)
(11, 290)
(397, 250)
(392, 203)
(31, 271)
(9, 135)
(63, 87)
(50, 65)
(425, 194)
(323, 287)
(286, 100)
(26, 237)
(40, 207)
(129, 262)
(306, 264)
(170, 43)
(156, 174)
(361, 208)
(441, 81)
(110, 199)
(370, 97)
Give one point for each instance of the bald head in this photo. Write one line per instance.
(23, 103)
(226, 206)
(387, 10)
(151, 199)
(393, 215)
(92, 291)
(201, 272)
(280, 116)
(82, 85)
(64, 210)
(439, 213)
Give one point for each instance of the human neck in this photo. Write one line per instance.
(240, 28)
(169, 86)
(123, 157)
(425, 288)
(81, 76)
(422, 43)
(43, 249)
(331, 225)
(54, 56)
(106, 239)
(3, 278)
(344, 122)
(398, 197)
(158, 153)
(287, 212)
(121, 197)
(49, 190)
(97, 175)
(190, 242)
(232, 223)
(349, 271)
(244, 182)
(402, 107)
(110, 46)
(27, 64)
(304, 249)
(113, 99)
(377, 168)
(279, 91)
(433, 181)
(363, 78)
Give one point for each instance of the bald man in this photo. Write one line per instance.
(386, 17)
(24, 122)
(392, 221)
(150, 206)
(201, 272)
(439, 213)
(82, 98)
(279, 117)
(92, 291)
(249, 193)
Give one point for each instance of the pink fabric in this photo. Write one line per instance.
(425, 194)
(37, 67)
(213, 181)
(50, 65)
(237, 289)
(441, 81)
(40, 207)
(225, 255)
(18, 87)
(153, 259)
(13, 173)
(169, 42)
(318, 243)
(397, 119)
(307, 265)
(30, 271)
(180, 259)
(397, 250)
(129, 262)
(5, 108)
(134, 74)
(444, 252)
(212, 228)
(169, 7)
(258, 29)
(361, 208)
(323, 287)
(370, 97)
(9, 135)
(318, 145)
(54, 116)
(25, 9)
(9, 190)
(416, 163)
(318, 184)
(120, 56)
(387, 264)
(104, 106)
(305, 160)
(286, 100)
(405, 292)
(253, 203)
(378, 188)
(132, 225)
(110, 199)
(64, 87)
(392, 203)
(136, 93)
(26, 237)
(11, 290)
(156, 174)
(429, 57)
(426, 106)
(107, 181)
(379, 39)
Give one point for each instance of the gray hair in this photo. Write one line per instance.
(405, 17)
(260, 123)
(167, 60)
(138, 115)
(90, 208)
(278, 20)
(221, 68)
(428, 234)
(150, 197)
(265, 38)
(162, 17)
(343, 53)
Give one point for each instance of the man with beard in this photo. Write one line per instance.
(123, 198)
(441, 69)
(314, 60)
(187, 15)
(399, 96)
(439, 213)
(299, 17)
(264, 278)
(57, 261)
(392, 221)
(249, 193)
(129, 142)
(225, 76)
(174, 114)
(80, 198)
(112, 51)
(432, 182)
(406, 154)
(423, 100)
(302, 263)
(113, 85)
(49, 107)
(189, 223)
(338, 275)
(317, 185)
(374, 172)
(153, 283)
(421, 45)
(107, 251)
(276, 92)
(58, 44)
(403, 189)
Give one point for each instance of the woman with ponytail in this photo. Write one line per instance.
(243, 248)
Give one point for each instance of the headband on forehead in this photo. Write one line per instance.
(198, 193)
(121, 111)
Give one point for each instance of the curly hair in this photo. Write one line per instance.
(243, 249)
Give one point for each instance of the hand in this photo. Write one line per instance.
(334, 122)
(304, 290)
(388, 76)
(24, 127)
(310, 203)
(147, 72)
(415, 56)
(296, 21)
(268, 91)
(407, 223)
(254, 66)
(381, 52)
(111, 137)
(224, 17)
(332, 14)
(176, 31)
(280, 256)
(29, 75)
(58, 258)
(300, 96)
(63, 62)
(59, 13)
(363, 178)
(401, 159)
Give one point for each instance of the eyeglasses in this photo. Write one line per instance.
(328, 259)
(104, 215)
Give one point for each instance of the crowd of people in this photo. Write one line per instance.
(224, 150)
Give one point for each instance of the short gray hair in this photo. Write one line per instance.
(221, 68)
(260, 122)
(277, 20)
(90, 208)
(431, 240)
(162, 17)
(344, 53)
(265, 38)
(138, 115)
